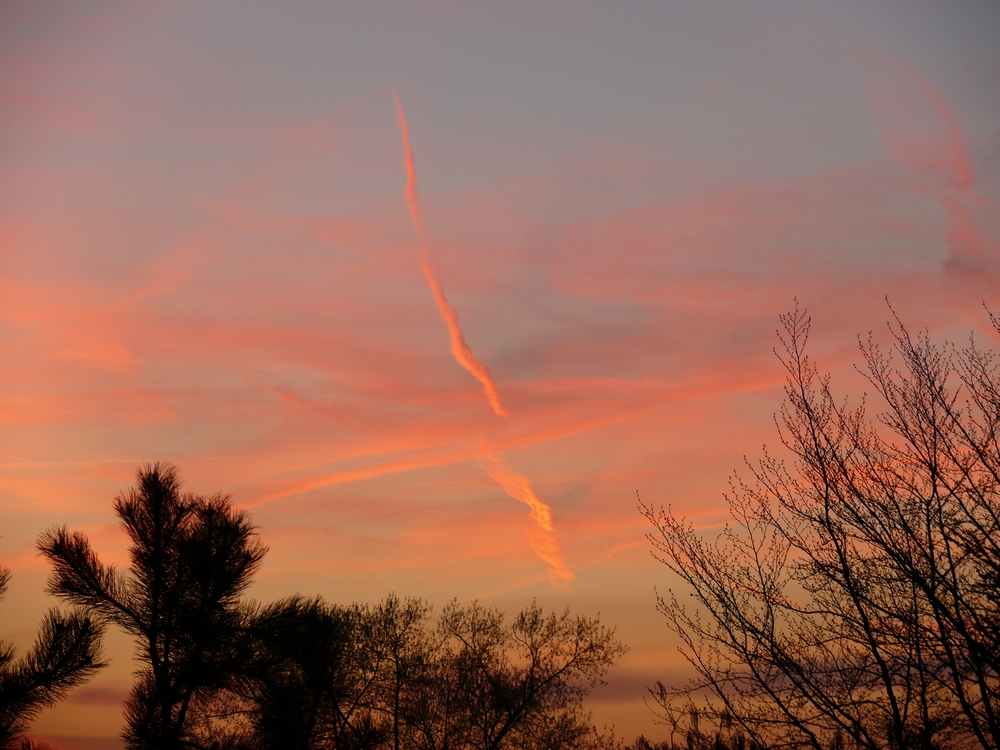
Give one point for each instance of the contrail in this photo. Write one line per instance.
(459, 349)
(542, 537)
(922, 132)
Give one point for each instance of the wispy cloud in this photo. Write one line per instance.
(923, 133)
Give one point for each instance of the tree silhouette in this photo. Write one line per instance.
(390, 676)
(399, 630)
(191, 558)
(299, 678)
(853, 602)
(522, 685)
(301, 674)
(340, 677)
(65, 654)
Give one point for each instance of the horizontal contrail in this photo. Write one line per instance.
(459, 349)
(542, 537)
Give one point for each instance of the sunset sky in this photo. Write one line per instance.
(434, 289)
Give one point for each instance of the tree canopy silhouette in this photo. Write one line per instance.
(65, 654)
(391, 676)
(854, 599)
(191, 558)
(218, 671)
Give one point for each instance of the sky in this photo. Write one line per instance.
(433, 290)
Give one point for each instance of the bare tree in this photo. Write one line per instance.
(399, 627)
(66, 653)
(853, 601)
(522, 685)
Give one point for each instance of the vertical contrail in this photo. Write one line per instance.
(542, 537)
(459, 349)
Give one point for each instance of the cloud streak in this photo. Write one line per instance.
(459, 348)
(923, 133)
(542, 537)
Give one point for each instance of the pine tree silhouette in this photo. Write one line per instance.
(191, 559)
(65, 654)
